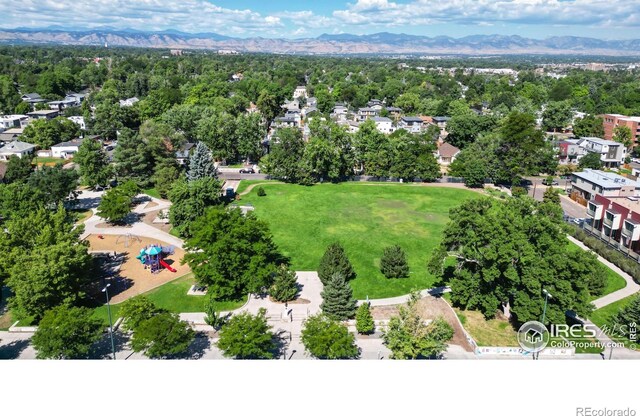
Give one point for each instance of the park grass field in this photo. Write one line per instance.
(365, 218)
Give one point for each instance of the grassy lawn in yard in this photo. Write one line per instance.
(604, 316)
(151, 192)
(614, 280)
(6, 320)
(488, 333)
(50, 160)
(365, 218)
(173, 297)
(82, 215)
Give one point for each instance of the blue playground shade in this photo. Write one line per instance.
(153, 251)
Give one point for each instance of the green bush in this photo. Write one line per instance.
(261, 192)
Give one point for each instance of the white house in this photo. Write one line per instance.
(13, 121)
(612, 154)
(340, 112)
(43, 114)
(411, 124)
(300, 91)
(365, 113)
(79, 120)
(66, 150)
(16, 148)
(446, 154)
(383, 124)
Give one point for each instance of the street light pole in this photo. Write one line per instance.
(547, 295)
(113, 345)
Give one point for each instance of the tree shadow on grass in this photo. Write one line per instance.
(13, 350)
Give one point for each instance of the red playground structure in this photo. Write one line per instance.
(153, 257)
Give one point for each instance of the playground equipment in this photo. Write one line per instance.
(152, 257)
(127, 239)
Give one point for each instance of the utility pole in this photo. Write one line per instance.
(113, 345)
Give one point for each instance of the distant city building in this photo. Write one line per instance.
(611, 121)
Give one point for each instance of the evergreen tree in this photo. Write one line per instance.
(18, 169)
(364, 320)
(132, 159)
(93, 163)
(334, 261)
(285, 285)
(393, 264)
(629, 315)
(201, 163)
(337, 298)
(551, 196)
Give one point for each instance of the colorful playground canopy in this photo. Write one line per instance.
(153, 250)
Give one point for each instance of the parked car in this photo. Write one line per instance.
(247, 170)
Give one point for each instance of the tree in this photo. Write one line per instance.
(114, 206)
(44, 262)
(162, 335)
(18, 169)
(364, 320)
(393, 263)
(463, 129)
(247, 336)
(201, 164)
(337, 299)
(409, 102)
(334, 261)
(590, 161)
(286, 152)
(212, 317)
(136, 310)
(285, 285)
(54, 182)
(506, 252)
(218, 132)
(556, 116)
(132, 160)
(22, 107)
(9, 97)
(250, 133)
(327, 339)
(409, 338)
(66, 333)
(413, 158)
(268, 105)
(165, 174)
(46, 133)
(190, 200)
(232, 253)
(93, 163)
(588, 126)
(622, 134)
(551, 196)
(19, 200)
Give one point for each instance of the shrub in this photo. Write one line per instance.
(364, 320)
(261, 192)
(393, 263)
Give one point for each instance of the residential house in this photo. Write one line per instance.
(16, 148)
(612, 154)
(66, 150)
(33, 99)
(616, 219)
(340, 113)
(11, 134)
(441, 122)
(446, 154)
(129, 102)
(376, 105)
(182, 155)
(365, 113)
(13, 121)
(237, 77)
(291, 105)
(569, 151)
(589, 183)
(64, 104)
(394, 112)
(312, 102)
(79, 120)
(300, 91)
(383, 124)
(43, 114)
(411, 124)
(611, 121)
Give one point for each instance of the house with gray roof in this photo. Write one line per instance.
(590, 183)
(16, 148)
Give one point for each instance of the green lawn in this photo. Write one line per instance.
(51, 160)
(614, 280)
(151, 192)
(173, 297)
(603, 317)
(365, 218)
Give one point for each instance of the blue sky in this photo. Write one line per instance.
(606, 19)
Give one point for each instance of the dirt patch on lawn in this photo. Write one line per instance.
(430, 308)
(150, 216)
(132, 278)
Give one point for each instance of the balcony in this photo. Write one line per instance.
(608, 221)
(631, 230)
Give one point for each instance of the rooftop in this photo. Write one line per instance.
(74, 142)
(601, 141)
(448, 150)
(42, 112)
(412, 119)
(606, 179)
(632, 204)
(16, 146)
(381, 119)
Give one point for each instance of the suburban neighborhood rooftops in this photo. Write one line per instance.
(16, 146)
(411, 119)
(42, 112)
(70, 143)
(448, 150)
(601, 141)
(440, 119)
(381, 119)
(606, 179)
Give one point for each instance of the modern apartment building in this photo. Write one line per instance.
(616, 219)
(591, 183)
(611, 121)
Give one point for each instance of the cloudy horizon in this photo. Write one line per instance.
(287, 19)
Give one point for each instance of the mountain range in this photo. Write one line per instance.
(343, 44)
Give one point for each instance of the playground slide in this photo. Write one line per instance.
(139, 257)
(167, 266)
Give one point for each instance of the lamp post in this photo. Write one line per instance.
(113, 345)
(547, 295)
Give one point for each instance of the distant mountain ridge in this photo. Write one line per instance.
(377, 43)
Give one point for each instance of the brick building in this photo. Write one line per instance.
(611, 121)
